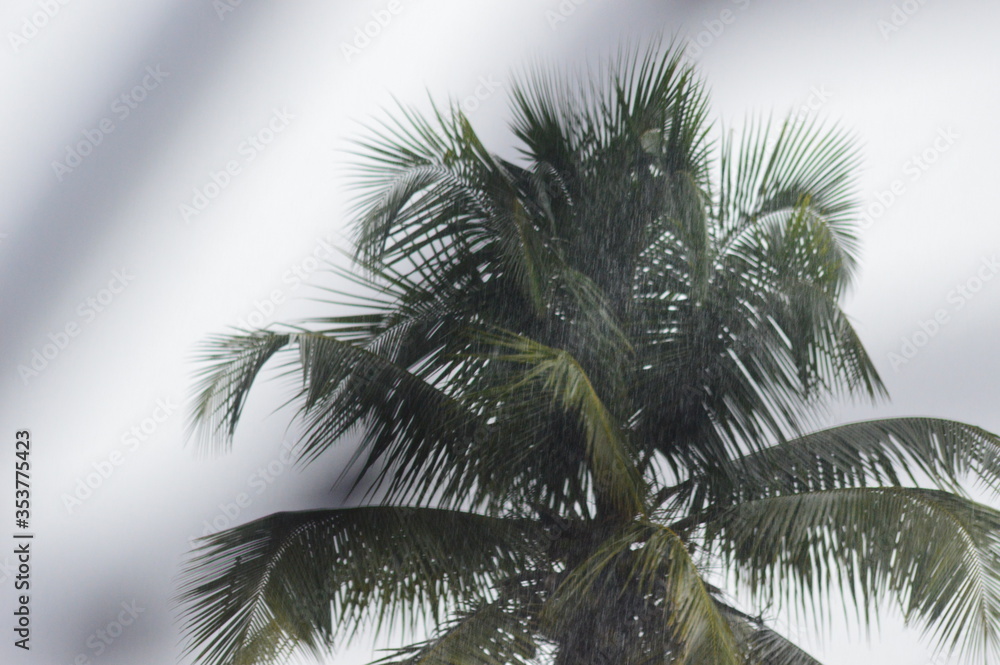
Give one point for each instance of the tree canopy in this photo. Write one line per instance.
(584, 386)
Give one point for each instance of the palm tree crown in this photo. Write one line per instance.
(584, 379)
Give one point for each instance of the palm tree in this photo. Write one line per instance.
(585, 384)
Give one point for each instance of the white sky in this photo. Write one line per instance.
(282, 65)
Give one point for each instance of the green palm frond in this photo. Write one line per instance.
(875, 452)
(304, 578)
(744, 358)
(937, 555)
(555, 374)
(231, 365)
(406, 421)
(415, 438)
(800, 163)
(440, 196)
(489, 633)
(647, 571)
(761, 645)
(694, 616)
(766, 647)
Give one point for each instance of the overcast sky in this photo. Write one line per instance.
(174, 168)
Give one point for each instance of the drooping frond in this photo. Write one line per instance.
(760, 644)
(500, 632)
(554, 374)
(935, 554)
(876, 452)
(766, 647)
(231, 365)
(647, 572)
(305, 578)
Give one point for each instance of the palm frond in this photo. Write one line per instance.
(674, 608)
(563, 380)
(489, 633)
(304, 578)
(231, 365)
(935, 554)
(761, 645)
(771, 170)
(694, 616)
(875, 452)
(766, 647)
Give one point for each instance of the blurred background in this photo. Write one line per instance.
(172, 169)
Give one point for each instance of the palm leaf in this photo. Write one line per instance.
(489, 633)
(232, 363)
(766, 647)
(307, 577)
(768, 171)
(561, 378)
(875, 452)
(934, 553)
(652, 563)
